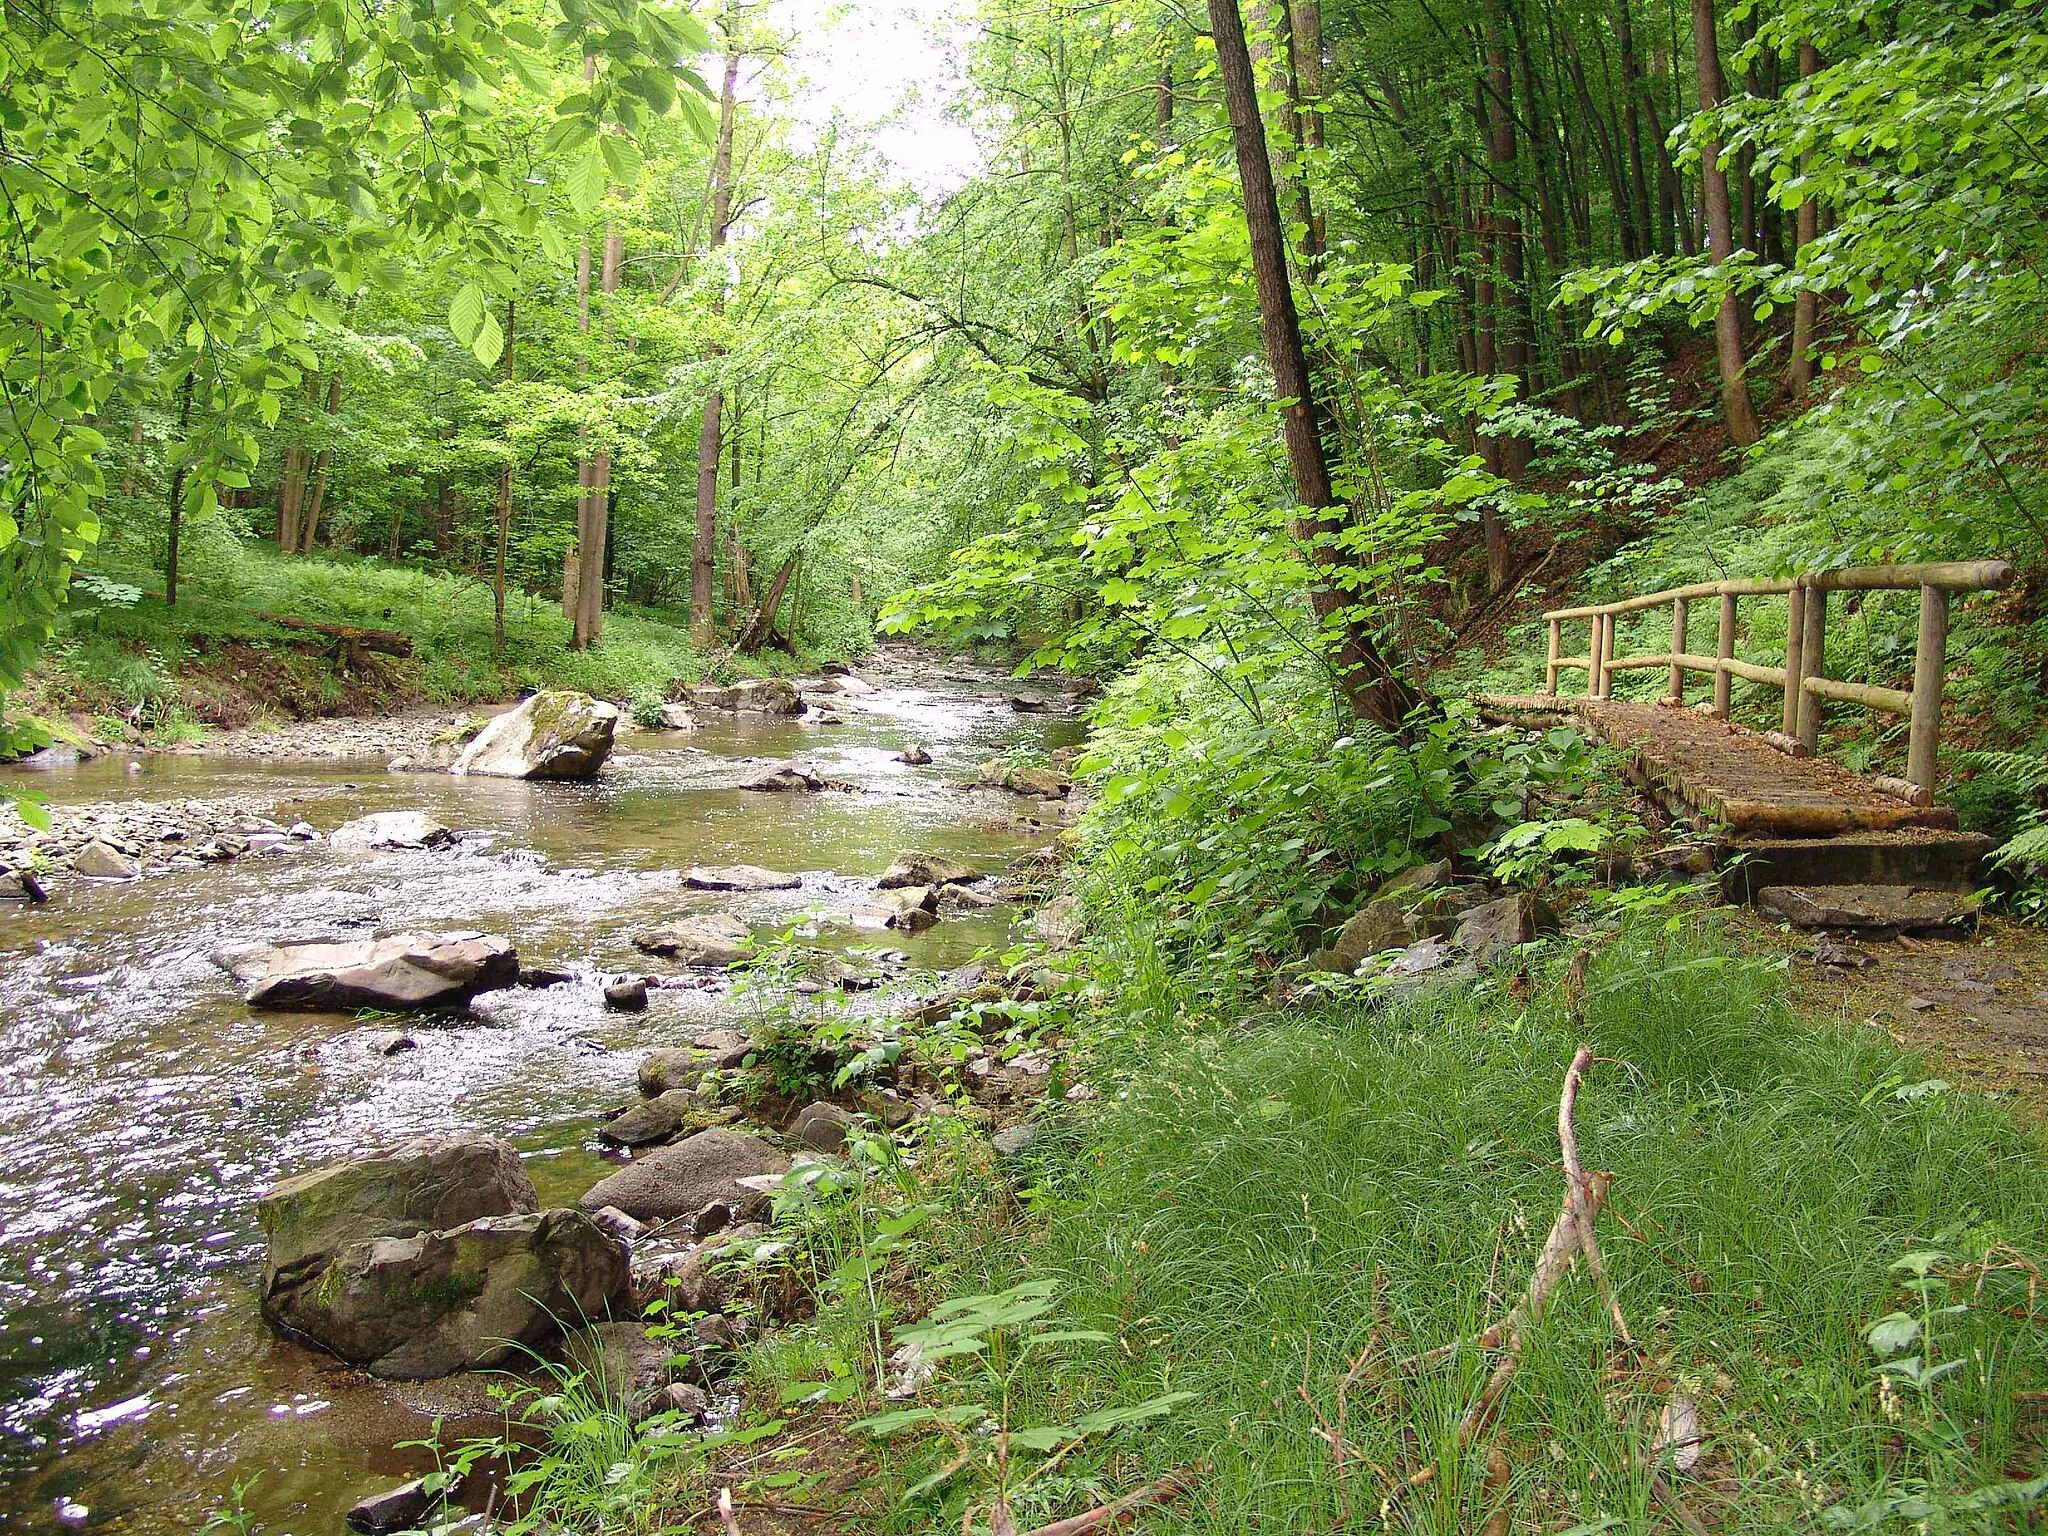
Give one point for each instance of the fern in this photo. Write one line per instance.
(2024, 773)
(2027, 846)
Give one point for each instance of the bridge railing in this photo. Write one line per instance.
(1803, 677)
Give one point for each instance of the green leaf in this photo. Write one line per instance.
(466, 313)
(622, 159)
(489, 343)
(585, 183)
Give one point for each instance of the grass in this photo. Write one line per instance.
(1278, 1196)
(115, 656)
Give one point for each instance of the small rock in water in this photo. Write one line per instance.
(1025, 704)
(739, 877)
(393, 1043)
(405, 971)
(677, 717)
(784, 779)
(545, 976)
(619, 1224)
(628, 996)
(712, 940)
(96, 861)
(652, 1120)
(682, 1179)
(915, 869)
(395, 1509)
(390, 830)
(915, 755)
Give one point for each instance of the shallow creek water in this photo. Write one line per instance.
(143, 1107)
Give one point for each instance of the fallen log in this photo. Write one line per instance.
(351, 637)
(385, 642)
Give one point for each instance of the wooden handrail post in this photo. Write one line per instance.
(1795, 644)
(1813, 662)
(1607, 655)
(1593, 658)
(1724, 649)
(1930, 671)
(1678, 616)
(1550, 667)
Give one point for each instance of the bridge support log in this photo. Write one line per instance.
(1550, 666)
(1724, 651)
(1795, 658)
(1678, 617)
(1813, 662)
(1930, 668)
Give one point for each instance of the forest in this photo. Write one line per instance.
(1272, 370)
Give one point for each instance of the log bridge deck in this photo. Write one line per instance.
(1788, 816)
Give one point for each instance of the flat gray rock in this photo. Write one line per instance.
(1870, 908)
(389, 830)
(711, 940)
(405, 972)
(739, 877)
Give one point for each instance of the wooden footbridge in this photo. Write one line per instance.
(1786, 816)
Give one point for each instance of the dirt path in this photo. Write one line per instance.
(1978, 1006)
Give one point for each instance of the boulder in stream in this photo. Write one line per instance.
(407, 971)
(652, 1120)
(711, 939)
(429, 1182)
(784, 779)
(553, 735)
(913, 869)
(389, 830)
(916, 754)
(767, 696)
(682, 1179)
(739, 877)
(465, 1298)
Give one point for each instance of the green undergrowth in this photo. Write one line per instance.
(122, 651)
(1815, 1242)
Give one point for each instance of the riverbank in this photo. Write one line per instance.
(370, 639)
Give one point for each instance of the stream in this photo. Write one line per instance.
(143, 1106)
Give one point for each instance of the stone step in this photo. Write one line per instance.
(1870, 909)
(1926, 858)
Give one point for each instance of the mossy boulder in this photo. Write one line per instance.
(430, 1183)
(470, 1297)
(554, 735)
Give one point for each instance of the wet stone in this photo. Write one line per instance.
(628, 996)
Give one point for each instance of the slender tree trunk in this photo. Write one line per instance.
(1305, 57)
(1806, 306)
(504, 539)
(310, 523)
(177, 503)
(595, 532)
(1743, 428)
(572, 561)
(1368, 682)
(1632, 120)
(763, 623)
(291, 495)
(703, 548)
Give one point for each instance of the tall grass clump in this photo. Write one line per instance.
(1824, 1250)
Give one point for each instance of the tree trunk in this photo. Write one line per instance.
(594, 527)
(177, 506)
(1805, 307)
(1305, 53)
(572, 561)
(504, 538)
(1743, 429)
(291, 496)
(703, 548)
(1367, 681)
(310, 523)
(763, 624)
(1632, 123)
